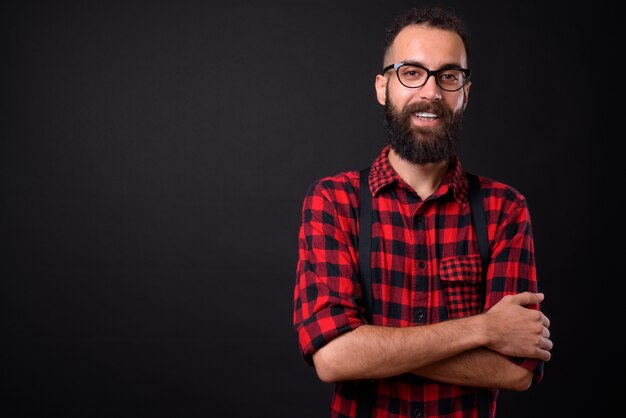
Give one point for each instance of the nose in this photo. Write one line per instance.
(430, 91)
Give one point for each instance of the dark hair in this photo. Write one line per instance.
(434, 16)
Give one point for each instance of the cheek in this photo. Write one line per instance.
(454, 102)
(400, 97)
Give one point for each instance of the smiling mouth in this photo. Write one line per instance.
(426, 115)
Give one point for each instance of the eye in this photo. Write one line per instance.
(412, 73)
(450, 76)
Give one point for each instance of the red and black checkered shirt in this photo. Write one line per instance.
(426, 268)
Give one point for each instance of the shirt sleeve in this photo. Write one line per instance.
(512, 269)
(327, 292)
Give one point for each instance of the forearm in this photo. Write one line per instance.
(479, 367)
(378, 352)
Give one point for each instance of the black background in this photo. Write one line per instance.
(154, 157)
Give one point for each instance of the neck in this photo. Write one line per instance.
(423, 178)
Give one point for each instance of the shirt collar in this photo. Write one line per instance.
(455, 182)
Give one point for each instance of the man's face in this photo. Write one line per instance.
(423, 123)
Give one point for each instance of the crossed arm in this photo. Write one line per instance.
(467, 351)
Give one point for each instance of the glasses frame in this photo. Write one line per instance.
(466, 71)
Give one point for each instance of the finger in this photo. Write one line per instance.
(545, 321)
(546, 343)
(544, 355)
(545, 332)
(527, 298)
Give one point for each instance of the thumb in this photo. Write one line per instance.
(527, 298)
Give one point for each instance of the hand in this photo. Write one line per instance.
(518, 331)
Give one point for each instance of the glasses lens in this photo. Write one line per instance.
(451, 80)
(412, 76)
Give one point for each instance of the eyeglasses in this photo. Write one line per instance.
(414, 76)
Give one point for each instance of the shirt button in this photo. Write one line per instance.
(419, 315)
(416, 412)
(422, 264)
(419, 219)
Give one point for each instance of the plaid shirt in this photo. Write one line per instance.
(426, 268)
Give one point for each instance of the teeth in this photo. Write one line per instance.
(425, 115)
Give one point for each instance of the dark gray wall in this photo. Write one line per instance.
(153, 160)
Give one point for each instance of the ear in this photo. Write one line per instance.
(381, 88)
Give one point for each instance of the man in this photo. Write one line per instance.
(432, 348)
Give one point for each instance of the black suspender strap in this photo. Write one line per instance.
(365, 241)
(478, 220)
(480, 229)
(364, 387)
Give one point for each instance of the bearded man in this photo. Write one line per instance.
(445, 332)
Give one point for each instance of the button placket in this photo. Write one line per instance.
(420, 312)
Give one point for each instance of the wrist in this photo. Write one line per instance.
(480, 329)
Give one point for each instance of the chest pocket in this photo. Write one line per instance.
(461, 282)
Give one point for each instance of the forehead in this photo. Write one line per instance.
(429, 46)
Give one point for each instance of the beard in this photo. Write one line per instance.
(422, 145)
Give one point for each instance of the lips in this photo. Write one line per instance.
(426, 115)
(425, 120)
